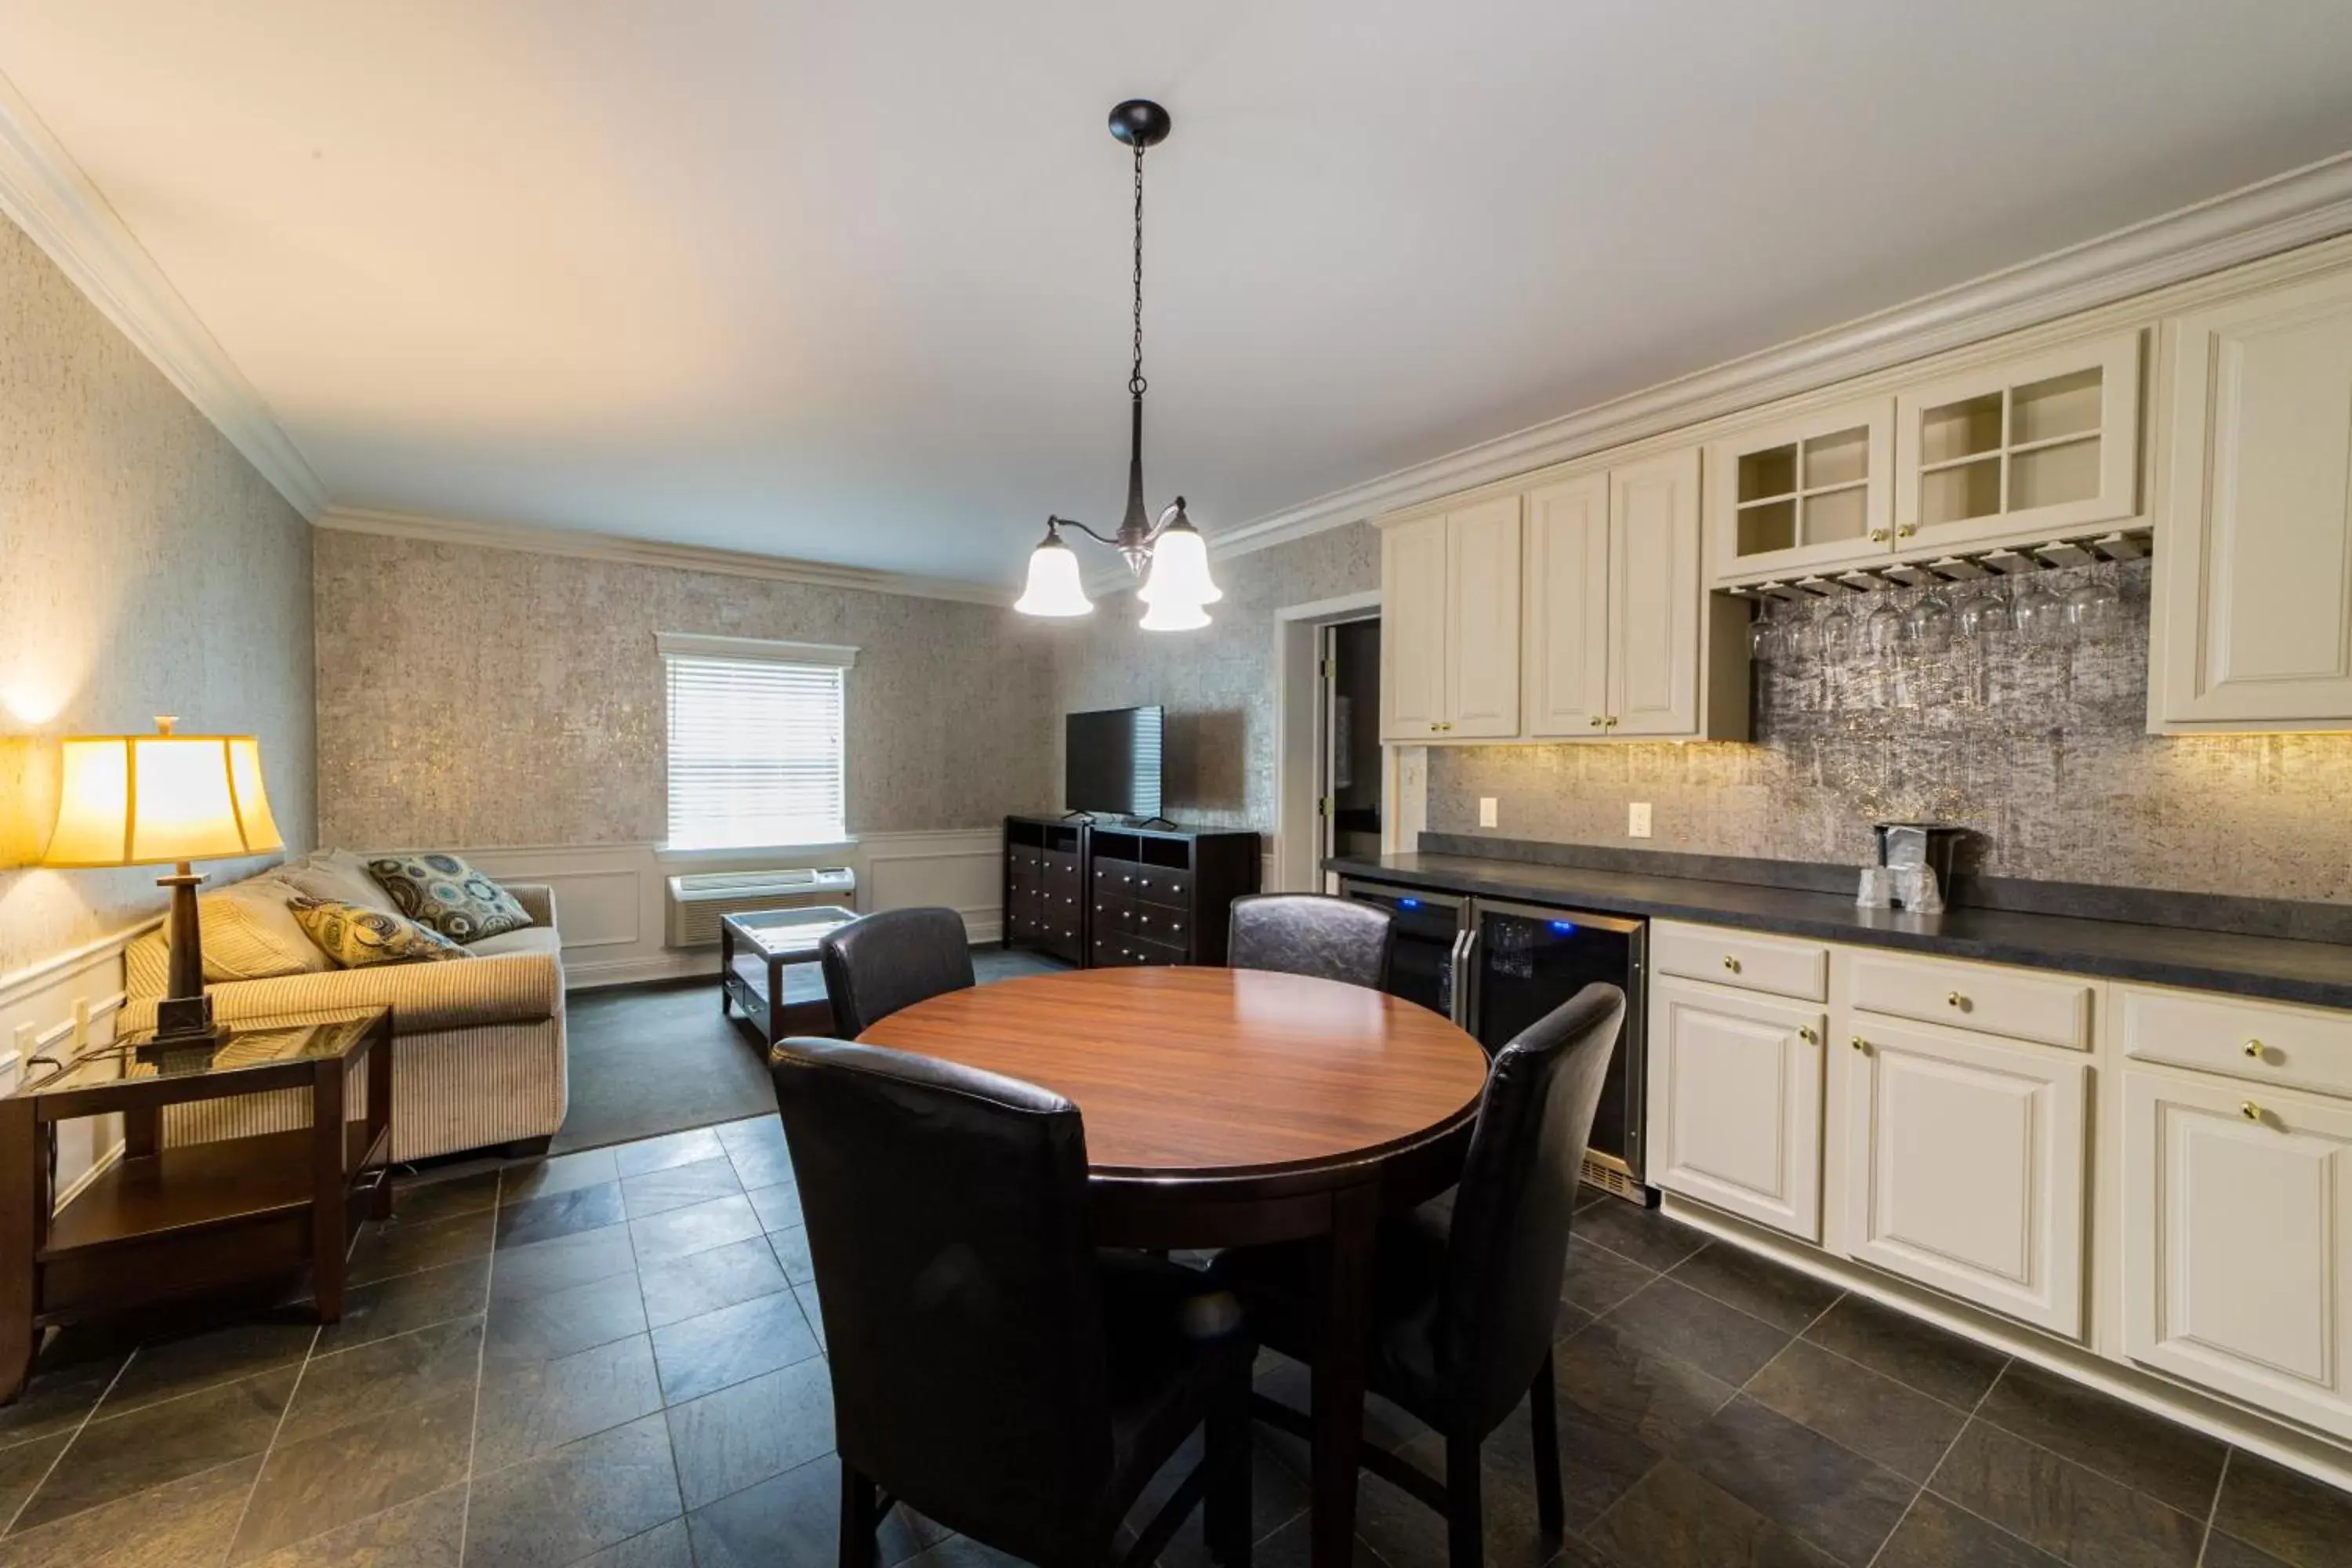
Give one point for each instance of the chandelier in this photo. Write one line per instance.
(1168, 555)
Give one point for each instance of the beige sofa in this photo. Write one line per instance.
(479, 1054)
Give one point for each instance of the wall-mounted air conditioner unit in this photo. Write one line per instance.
(696, 903)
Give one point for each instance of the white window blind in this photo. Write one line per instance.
(755, 742)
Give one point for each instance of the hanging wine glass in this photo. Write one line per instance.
(1927, 624)
(1978, 612)
(2093, 608)
(1802, 637)
(1882, 632)
(1842, 634)
(2039, 614)
(1764, 638)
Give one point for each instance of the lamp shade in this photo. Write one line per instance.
(140, 800)
(1053, 587)
(1179, 569)
(1168, 617)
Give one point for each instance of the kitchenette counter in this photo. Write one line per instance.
(2318, 973)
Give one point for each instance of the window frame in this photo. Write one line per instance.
(673, 646)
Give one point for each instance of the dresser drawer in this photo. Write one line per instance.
(2051, 1009)
(1770, 964)
(1162, 886)
(2261, 1042)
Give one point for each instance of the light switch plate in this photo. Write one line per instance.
(1485, 811)
(1637, 819)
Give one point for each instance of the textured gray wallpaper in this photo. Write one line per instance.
(1217, 684)
(145, 568)
(2041, 748)
(478, 698)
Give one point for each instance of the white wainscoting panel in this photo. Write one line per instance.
(610, 899)
(37, 1007)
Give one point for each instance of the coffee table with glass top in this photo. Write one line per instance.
(755, 948)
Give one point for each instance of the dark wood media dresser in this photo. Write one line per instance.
(1101, 895)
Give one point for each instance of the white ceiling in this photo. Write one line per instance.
(849, 283)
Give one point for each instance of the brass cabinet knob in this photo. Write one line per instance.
(1805, 1033)
(2254, 1050)
(1611, 723)
(2250, 1111)
(1731, 964)
(1859, 1044)
(1908, 530)
(1956, 1000)
(1594, 721)
(1433, 728)
(1878, 536)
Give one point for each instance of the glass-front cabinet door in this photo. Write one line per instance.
(2020, 452)
(1802, 495)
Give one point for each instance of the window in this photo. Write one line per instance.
(755, 741)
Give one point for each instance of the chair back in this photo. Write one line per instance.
(891, 959)
(1508, 1249)
(947, 1220)
(1310, 933)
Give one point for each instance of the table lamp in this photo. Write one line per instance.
(165, 799)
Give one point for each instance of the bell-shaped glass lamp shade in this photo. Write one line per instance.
(1167, 616)
(1054, 586)
(1180, 568)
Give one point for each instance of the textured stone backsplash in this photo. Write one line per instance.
(2041, 747)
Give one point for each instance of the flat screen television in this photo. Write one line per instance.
(1111, 762)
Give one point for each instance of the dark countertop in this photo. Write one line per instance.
(2317, 973)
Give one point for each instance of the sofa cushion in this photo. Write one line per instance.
(446, 893)
(339, 877)
(530, 938)
(250, 934)
(355, 937)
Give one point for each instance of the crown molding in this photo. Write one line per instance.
(582, 545)
(45, 191)
(2297, 208)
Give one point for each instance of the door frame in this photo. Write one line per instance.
(1291, 862)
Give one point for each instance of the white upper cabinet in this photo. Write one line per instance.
(1965, 1167)
(2253, 614)
(1654, 596)
(1412, 629)
(1450, 633)
(1482, 609)
(1567, 624)
(1623, 639)
(2238, 1242)
(1802, 495)
(2021, 451)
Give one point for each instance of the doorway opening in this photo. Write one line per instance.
(1348, 721)
(1311, 674)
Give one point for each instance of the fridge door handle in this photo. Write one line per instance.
(1463, 945)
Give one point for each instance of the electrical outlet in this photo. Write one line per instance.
(1485, 811)
(1637, 819)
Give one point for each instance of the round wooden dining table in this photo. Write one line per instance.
(1224, 1107)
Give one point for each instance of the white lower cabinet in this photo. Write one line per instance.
(1965, 1167)
(1736, 1112)
(2238, 1241)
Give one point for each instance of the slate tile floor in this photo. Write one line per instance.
(613, 1358)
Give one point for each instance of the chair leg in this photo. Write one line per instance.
(860, 1518)
(1543, 1420)
(1466, 1519)
(1225, 1513)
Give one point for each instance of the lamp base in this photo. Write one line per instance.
(182, 1024)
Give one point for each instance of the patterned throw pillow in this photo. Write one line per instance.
(443, 892)
(355, 937)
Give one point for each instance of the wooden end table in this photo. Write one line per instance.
(165, 1221)
(755, 948)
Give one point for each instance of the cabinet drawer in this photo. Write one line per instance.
(1158, 885)
(2054, 1011)
(2261, 1042)
(1770, 964)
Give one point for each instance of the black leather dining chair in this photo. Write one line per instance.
(990, 1368)
(1463, 1308)
(892, 959)
(1310, 933)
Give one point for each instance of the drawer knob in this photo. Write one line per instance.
(2250, 1111)
(1859, 1044)
(1805, 1033)
(1731, 964)
(1956, 1000)
(2254, 1050)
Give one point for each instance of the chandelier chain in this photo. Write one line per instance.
(1135, 382)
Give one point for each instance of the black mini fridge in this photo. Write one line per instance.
(1523, 961)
